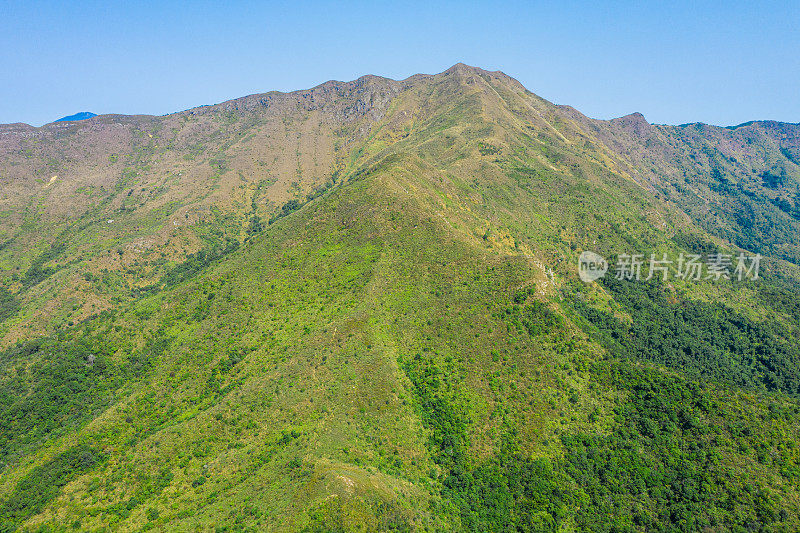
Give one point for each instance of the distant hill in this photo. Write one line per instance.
(83, 115)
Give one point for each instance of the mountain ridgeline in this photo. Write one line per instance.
(357, 308)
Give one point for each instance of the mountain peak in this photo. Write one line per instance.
(634, 122)
(461, 67)
(636, 118)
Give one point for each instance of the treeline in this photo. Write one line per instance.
(189, 268)
(198, 261)
(38, 272)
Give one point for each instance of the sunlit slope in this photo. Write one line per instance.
(95, 211)
(411, 349)
(350, 364)
(740, 183)
(279, 368)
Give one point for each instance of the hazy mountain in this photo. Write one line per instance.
(357, 307)
(83, 115)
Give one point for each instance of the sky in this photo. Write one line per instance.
(675, 62)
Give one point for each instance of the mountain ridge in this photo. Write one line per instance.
(458, 68)
(361, 105)
(359, 309)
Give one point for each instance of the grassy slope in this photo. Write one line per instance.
(94, 210)
(404, 351)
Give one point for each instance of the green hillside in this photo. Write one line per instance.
(357, 308)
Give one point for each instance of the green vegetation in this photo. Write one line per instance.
(356, 309)
(748, 215)
(674, 461)
(51, 386)
(706, 339)
(43, 483)
(38, 270)
(509, 492)
(196, 262)
(9, 304)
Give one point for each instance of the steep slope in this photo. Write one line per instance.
(740, 183)
(409, 348)
(96, 209)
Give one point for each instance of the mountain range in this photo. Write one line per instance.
(358, 308)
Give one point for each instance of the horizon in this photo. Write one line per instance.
(711, 64)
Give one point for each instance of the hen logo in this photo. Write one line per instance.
(591, 266)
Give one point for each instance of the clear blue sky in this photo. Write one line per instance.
(716, 62)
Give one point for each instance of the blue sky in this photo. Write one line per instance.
(715, 62)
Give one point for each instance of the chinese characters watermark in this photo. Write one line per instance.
(694, 267)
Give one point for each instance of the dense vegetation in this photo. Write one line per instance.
(355, 309)
(194, 263)
(9, 305)
(667, 464)
(661, 470)
(707, 339)
(48, 387)
(754, 218)
(43, 484)
(38, 271)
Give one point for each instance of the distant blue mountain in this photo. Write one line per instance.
(83, 115)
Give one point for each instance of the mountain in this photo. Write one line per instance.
(83, 115)
(358, 307)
